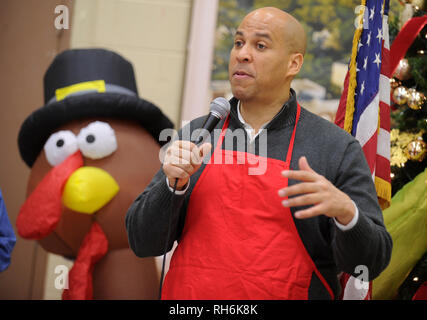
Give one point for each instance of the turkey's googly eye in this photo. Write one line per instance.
(97, 140)
(60, 146)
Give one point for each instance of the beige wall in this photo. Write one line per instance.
(152, 34)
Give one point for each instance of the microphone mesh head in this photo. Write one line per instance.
(221, 107)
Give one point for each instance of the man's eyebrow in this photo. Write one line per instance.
(263, 35)
(258, 34)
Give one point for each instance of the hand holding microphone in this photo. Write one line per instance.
(183, 158)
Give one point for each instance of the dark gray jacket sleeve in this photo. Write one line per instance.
(368, 243)
(152, 216)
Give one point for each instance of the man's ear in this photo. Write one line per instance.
(295, 63)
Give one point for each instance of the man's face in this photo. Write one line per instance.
(259, 58)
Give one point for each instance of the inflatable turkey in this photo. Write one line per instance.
(91, 148)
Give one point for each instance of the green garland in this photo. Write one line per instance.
(404, 118)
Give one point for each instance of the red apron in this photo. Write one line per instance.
(238, 241)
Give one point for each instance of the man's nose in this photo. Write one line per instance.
(244, 54)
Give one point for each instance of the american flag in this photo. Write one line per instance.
(364, 108)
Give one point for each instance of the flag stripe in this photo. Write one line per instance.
(380, 171)
(370, 150)
(385, 33)
(385, 116)
(384, 144)
(384, 94)
(368, 121)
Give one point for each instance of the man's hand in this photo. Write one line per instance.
(316, 190)
(182, 159)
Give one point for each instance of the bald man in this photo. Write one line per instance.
(283, 232)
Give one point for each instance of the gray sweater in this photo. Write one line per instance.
(331, 152)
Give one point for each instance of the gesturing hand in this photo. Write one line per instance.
(316, 190)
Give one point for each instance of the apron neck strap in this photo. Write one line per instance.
(291, 143)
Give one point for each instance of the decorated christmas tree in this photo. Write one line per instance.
(409, 91)
(406, 219)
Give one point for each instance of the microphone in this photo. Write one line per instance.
(219, 109)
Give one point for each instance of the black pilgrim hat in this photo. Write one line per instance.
(82, 83)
